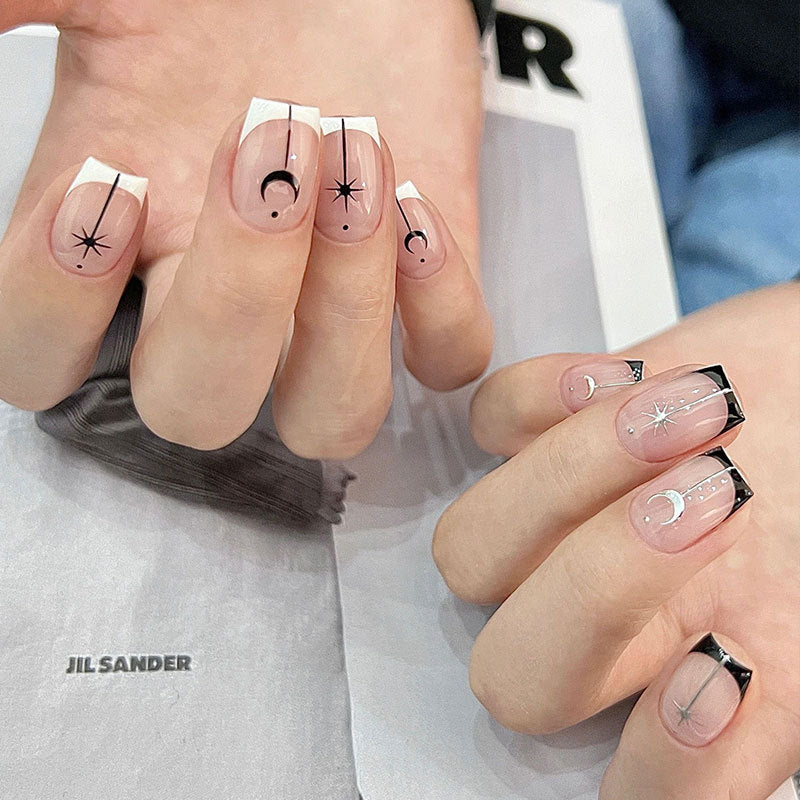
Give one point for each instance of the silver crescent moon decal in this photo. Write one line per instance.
(415, 235)
(281, 176)
(676, 499)
(591, 385)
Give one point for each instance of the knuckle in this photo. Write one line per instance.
(456, 568)
(364, 304)
(187, 426)
(512, 700)
(557, 455)
(338, 434)
(35, 396)
(242, 294)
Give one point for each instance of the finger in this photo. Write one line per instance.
(447, 331)
(573, 471)
(61, 275)
(517, 403)
(544, 659)
(23, 12)
(335, 388)
(706, 728)
(202, 367)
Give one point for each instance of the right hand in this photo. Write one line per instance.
(149, 88)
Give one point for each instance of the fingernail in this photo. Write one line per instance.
(675, 417)
(587, 383)
(703, 693)
(349, 207)
(420, 246)
(97, 218)
(681, 506)
(276, 164)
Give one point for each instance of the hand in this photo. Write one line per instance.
(150, 89)
(614, 548)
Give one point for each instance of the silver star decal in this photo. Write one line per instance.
(684, 712)
(659, 419)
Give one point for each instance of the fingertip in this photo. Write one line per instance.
(448, 332)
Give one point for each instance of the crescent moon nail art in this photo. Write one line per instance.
(420, 244)
(97, 218)
(586, 382)
(349, 206)
(703, 693)
(277, 157)
(685, 503)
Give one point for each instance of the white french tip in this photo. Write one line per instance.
(367, 124)
(266, 110)
(94, 171)
(407, 189)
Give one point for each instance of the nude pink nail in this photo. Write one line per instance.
(584, 384)
(97, 218)
(681, 506)
(421, 250)
(274, 174)
(350, 202)
(675, 417)
(703, 694)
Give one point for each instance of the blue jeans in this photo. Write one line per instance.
(727, 157)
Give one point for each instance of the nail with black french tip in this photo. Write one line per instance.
(735, 413)
(687, 502)
(704, 693)
(679, 415)
(588, 382)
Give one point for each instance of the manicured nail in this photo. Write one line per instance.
(588, 383)
(703, 693)
(276, 165)
(97, 218)
(681, 506)
(421, 249)
(675, 417)
(350, 200)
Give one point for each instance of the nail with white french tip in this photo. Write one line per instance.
(97, 218)
(350, 202)
(421, 250)
(276, 164)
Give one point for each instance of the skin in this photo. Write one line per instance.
(112, 100)
(160, 89)
(595, 615)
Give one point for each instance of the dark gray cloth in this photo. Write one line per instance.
(256, 474)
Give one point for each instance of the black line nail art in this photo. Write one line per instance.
(344, 188)
(735, 413)
(711, 647)
(412, 233)
(283, 175)
(91, 241)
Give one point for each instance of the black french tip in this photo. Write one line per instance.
(711, 647)
(735, 413)
(637, 368)
(742, 489)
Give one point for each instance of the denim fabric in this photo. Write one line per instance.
(727, 157)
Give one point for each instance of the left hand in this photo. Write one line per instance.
(615, 547)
